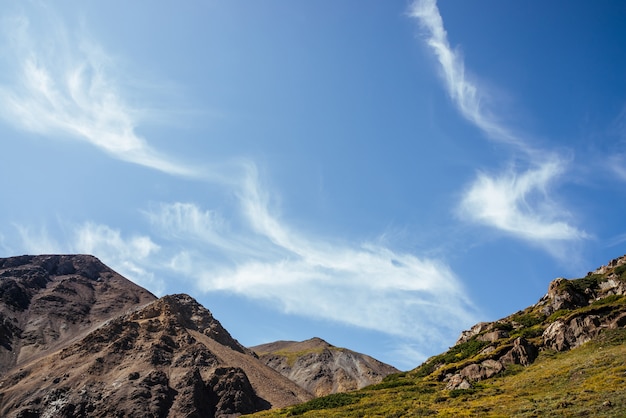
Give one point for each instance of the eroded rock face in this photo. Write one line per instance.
(560, 296)
(46, 301)
(233, 393)
(322, 368)
(561, 336)
(522, 352)
(126, 353)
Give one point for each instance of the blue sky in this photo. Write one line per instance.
(380, 174)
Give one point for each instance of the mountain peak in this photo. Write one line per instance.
(184, 311)
(48, 300)
(78, 339)
(320, 367)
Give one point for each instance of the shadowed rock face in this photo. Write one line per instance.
(80, 340)
(322, 368)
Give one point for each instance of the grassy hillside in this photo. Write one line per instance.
(587, 381)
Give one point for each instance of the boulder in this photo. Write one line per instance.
(523, 352)
(484, 370)
(457, 382)
(492, 336)
(561, 296)
(475, 330)
(561, 335)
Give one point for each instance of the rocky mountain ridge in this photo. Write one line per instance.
(322, 368)
(77, 339)
(46, 301)
(80, 340)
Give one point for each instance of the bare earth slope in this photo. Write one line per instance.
(47, 301)
(322, 368)
(79, 340)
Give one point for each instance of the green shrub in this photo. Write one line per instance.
(503, 326)
(529, 319)
(608, 300)
(591, 281)
(455, 354)
(528, 333)
(558, 314)
(620, 271)
(327, 402)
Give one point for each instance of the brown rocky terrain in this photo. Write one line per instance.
(572, 313)
(48, 301)
(321, 368)
(77, 339)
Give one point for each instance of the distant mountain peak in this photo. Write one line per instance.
(320, 367)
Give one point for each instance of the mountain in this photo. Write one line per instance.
(563, 356)
(321, 368)
(77, 339)
(48, 301)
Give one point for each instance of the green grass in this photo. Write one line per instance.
(589, 381)
(292, 356)
(581, 382)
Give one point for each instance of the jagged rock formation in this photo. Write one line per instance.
(321, 368)
(79, 340)
(572, 313)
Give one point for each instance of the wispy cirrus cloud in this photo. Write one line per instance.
(133, 256)
(617, 164)
(465, 93)
(517, 203)
(64, 87)
(364, 284)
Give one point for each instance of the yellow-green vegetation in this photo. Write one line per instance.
(292, 356)
(589, 381)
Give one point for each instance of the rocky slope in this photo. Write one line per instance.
(79, 340)
(563, 356)
(572, 313)
(48, 301)
(321, 368)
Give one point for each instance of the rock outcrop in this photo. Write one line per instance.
(572, 313)
(321, 368)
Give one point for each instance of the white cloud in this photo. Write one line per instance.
(64, 87)
(364, 285)
(132, 257)
(37, 241)
(187, 220)
(519, 204)
(465, 93)
(514, 202)
(617, 164)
